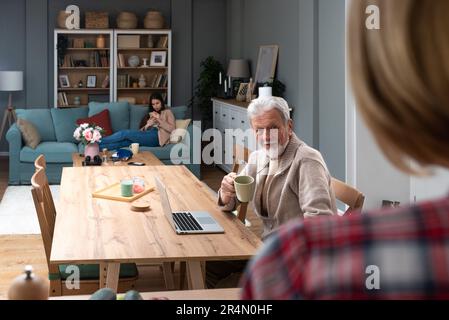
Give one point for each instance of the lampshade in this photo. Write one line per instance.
(238, 68)
(11, 80)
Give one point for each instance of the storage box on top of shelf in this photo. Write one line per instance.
(125, 41)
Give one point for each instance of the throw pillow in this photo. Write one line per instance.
(29, 133)
(179, 133)
(101, 119)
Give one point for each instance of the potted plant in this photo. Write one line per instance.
(278, 87)
(206, 88)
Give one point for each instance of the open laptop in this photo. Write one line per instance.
(188, 222)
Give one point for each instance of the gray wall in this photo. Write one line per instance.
(207, 42)
(13, 46)
(311, 62)
(27, 29)
(331, 84)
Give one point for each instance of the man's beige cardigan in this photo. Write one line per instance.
(300, 187)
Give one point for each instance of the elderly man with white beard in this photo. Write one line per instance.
(292, 180)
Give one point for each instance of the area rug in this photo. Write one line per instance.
(17, 211)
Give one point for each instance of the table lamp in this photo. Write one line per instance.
(10, 81)
(237, 68)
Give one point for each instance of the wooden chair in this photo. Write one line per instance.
(89, 274)
(350, 196)
(40, 162)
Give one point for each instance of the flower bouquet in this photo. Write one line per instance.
(89, 135)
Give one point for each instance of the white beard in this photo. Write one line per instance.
(275, 150)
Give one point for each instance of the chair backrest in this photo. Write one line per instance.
(240, 156)
(348, 195)
(45, 212)
(40, 162)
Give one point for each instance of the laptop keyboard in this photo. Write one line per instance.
(185, 221)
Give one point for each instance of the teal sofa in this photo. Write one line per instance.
(56, 128)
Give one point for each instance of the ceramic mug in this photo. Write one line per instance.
(244, 188)
(134, 147)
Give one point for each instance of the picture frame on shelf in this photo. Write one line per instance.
(158, 58)
(266, 63)
(242, 92)
(64, 81)
(91, 81)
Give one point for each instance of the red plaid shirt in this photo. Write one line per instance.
(394, 254)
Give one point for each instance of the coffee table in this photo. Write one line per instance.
(143, 156)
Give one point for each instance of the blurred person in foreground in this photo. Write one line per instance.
(400, 79)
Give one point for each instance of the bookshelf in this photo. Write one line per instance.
(77, 58)
(142, 54)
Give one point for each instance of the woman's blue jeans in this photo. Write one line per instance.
(124, 138)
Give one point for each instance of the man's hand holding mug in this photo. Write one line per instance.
(227, 191)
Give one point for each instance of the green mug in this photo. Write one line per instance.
(126, 188)
(244, 188)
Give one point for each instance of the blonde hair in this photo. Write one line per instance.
(400, 78)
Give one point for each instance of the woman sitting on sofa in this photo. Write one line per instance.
(155, 128)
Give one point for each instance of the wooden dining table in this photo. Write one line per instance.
(99, 231)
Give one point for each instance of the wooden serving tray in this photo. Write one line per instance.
(113, 192)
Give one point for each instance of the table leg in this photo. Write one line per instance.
(109, 275)
(103, 274)
(195, 274)
(168, 276)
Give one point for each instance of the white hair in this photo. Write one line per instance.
(264, 104)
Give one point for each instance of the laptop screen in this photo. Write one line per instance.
(164, 200)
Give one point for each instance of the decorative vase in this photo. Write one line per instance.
(142, 81)
(91, 150)
(100, 41)
(150, 43)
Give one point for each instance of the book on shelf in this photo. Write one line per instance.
(121, 60)
(105, 83)
(62, 99)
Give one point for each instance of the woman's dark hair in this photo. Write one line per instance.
(154, 96)
(157, 96)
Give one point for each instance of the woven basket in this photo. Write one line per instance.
(62, 16)
(153, 20)
(126, 20)
(97, 20)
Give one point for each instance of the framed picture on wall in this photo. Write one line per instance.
(266, 63)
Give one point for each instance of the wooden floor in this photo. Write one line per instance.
(19, 250)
